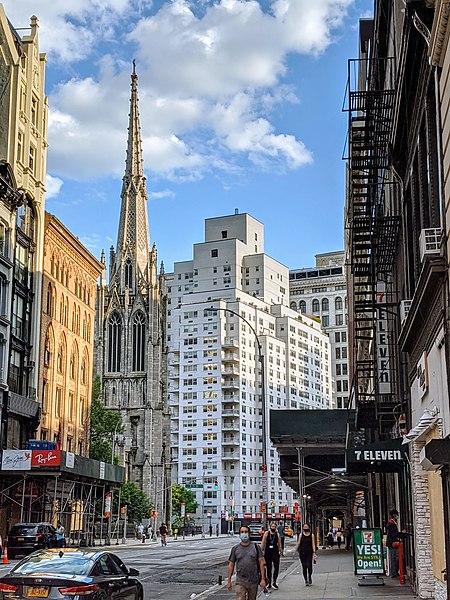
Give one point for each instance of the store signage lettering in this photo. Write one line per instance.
(368, 552)
(46, 458)
(383, 358)
(16, 460)
(377, 455)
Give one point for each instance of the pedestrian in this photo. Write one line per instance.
(210, 530)
(248, 559)
(59, 535)
(163, 531)
(140, 531)
(339, 538)
(330, 539)
(306, 548)
(217, 529)
(348, 537)
(393, 535)
(280, 530)
(271, 547)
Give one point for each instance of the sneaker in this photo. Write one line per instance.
(275, 587)
(306, 583)
(310, 581)
(269, 586)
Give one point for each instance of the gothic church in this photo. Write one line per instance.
(130, 352)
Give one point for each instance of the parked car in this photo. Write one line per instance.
(256, 531)
(24, 538)
(71, 573)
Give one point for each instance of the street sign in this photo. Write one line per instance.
(368, 552)
(194, 486)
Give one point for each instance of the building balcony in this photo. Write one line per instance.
(230, 357)
(233, 426)
(230, 412)
(230, 343)
(230, 456)
(229, 370)
(174, 374)
(230, 441)
(231, 398)
(231, 383)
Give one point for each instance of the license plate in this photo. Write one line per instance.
(37, 592)
(20, 539)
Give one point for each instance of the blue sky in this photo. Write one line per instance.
(240, 106)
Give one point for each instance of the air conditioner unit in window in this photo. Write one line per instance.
(405, 305)
(430, 242)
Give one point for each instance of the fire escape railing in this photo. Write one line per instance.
(372, 234)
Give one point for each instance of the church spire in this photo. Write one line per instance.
(133, 239)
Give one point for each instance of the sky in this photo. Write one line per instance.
(240, 104)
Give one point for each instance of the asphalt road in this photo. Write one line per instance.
(180, 569)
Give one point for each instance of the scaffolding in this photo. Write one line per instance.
(72, 496)
(372, 231)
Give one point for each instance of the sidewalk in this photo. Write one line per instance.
(333, 579)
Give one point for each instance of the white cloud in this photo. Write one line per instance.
(211, 75)
(161, 194)
(53, 186)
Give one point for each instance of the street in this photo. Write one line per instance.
(180, 569)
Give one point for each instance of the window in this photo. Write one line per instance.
(224, 235)
(47, 353)
(138, 341)
(325, 320)
(32, 159)
(58, 401)
(214, 253)
(315, 306)
(20, 147)
(60, 359)
(302, 306)
(49, 308)
(128, 275)
(72, 366)
(114, 342)
(337, 336)
(339, 319)
(338, 303)
(325, 305)
(293, 306)
(34, 110)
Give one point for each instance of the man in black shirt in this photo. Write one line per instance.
(393, 535)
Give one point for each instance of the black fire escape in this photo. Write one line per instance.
(371, 231)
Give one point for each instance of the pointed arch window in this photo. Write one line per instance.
(129, 274)
(115, 342)
(49, 300)
(138, 341)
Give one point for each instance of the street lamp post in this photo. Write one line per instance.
(264, 481)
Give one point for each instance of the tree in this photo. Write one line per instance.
(181, 495)
(137, 502)
(105, 424)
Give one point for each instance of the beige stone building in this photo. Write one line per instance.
(70, 274)
(23, 150)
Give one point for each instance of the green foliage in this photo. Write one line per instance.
(104, 423)
(179, 495)
(137, 502)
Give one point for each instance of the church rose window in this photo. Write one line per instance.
(115, 338)
(138, 341)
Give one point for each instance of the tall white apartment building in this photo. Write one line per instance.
(223, 304)
(321, 292)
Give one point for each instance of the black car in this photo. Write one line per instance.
(24, 538)
(71, 573)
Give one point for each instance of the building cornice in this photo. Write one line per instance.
(439, 32)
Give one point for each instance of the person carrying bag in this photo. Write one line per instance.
(306, 548)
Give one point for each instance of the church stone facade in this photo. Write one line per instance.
(130, 352)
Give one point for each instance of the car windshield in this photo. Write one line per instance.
(24, 530)
(51, 562)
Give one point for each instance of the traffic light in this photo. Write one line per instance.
(216, 484)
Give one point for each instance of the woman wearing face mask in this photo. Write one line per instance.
(250, 567)
(271, 546)
(306, 548)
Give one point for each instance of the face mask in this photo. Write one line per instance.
(272, 529)
(244, 537)
(306, 530)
